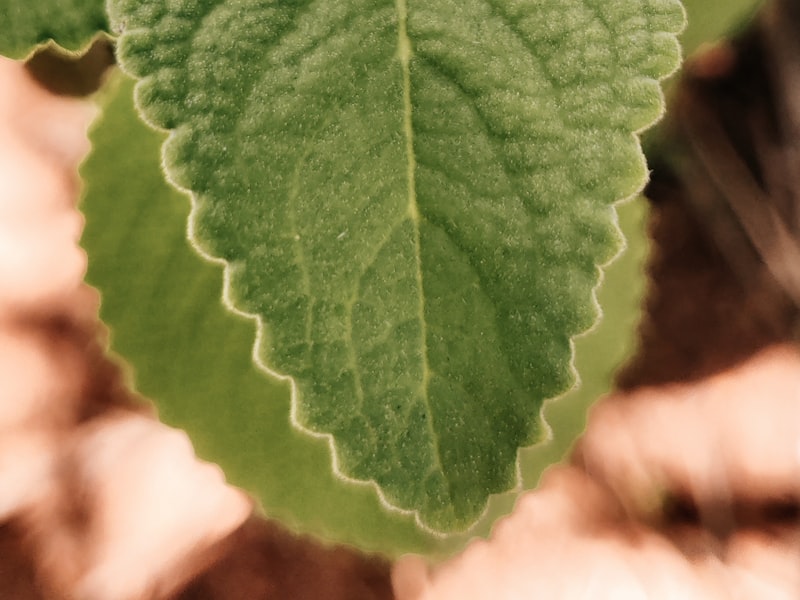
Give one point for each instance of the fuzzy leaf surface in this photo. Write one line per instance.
(192, 356)
(413, 199)
(25, 24)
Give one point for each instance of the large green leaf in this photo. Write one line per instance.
(155, 293)
(413, 200)
(24, 24)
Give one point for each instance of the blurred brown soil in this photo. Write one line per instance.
(17, 570)
(701, 317)
(263, 560)
(714, 299)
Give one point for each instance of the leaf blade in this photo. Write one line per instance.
(69, 23)
(361, 292)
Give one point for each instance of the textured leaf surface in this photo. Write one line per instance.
(414, 200)
(155, 291)
(24, 24)
(598, 355)
(192, 356)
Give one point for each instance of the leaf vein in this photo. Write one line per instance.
(404, 54)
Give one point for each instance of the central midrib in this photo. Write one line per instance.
(404, 54)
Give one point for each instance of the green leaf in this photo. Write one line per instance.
(413, 200)
(710, 21)
(25, 24)
(598, 355)
(141, 262)
(163, 307)
(144, 280)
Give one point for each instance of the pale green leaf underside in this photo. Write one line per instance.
(414, 199)
(24, 24)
